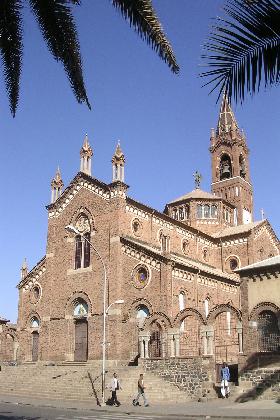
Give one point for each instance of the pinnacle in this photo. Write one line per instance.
(227, 120)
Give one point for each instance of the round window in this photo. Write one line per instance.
(233, 264)
(140, 276)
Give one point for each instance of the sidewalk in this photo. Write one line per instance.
(218, 408)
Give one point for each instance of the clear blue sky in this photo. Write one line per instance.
(162, 120)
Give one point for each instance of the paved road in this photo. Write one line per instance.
(27, 412)
(34, 409)
(12, 411)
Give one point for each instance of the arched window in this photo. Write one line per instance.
(181, 213)
(206, 211)
(205, 254)
(142, 312)
(82, 243)
(206, 306)
(242, 166)
(81, 308)
(187, 212)
(185, 246)
(233, 263)
(228, 322)
(199, 211)
(182, 301)
(35, 323)
(214, 211)
(225, 167)
(164, 241)
(269, 333)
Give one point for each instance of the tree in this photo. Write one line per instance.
(244, 48)
(57, 25)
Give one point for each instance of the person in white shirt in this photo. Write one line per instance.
(115, 386)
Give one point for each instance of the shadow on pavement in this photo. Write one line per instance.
(258, 361)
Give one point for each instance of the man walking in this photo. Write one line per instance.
(225, 377)
(115, 386)
(141, 392)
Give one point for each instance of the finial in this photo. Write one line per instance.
(118, 161)
(262, 214)
(56, 186)
(118, 155)
(86, 154)
(24, 269)
(197, 179)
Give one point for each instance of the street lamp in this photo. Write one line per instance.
(72, 229)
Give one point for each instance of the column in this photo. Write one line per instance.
(146, 347)
(210, 339)
(177, 345)
(240, 337)
(204, 339)
(142, 349)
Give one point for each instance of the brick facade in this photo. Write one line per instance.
(173, 269)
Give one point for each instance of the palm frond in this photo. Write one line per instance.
(243, 52)
(142, 17)
(59, 31)
(11, 48)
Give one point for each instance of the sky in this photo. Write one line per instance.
(162, 120)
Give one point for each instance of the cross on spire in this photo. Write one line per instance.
(197, 179)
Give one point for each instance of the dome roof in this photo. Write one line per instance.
(196, 194)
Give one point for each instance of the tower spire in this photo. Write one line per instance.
(118, 161)
(86, 154)
(56, 186)
(230, 165)
(227, 120)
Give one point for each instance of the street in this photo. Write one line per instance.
(17, 409)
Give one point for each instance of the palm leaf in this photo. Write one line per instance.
(142, 17)
(11, 47)
(59, 31)
(243, 52)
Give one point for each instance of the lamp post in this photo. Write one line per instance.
(72, 229)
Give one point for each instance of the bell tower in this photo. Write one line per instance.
(230, 165)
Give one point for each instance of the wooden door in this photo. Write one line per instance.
(81, 341)
(35, 346)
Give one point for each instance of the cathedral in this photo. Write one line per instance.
(169, 280)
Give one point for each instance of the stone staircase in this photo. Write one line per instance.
(74, 382)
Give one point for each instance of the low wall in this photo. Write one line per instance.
(262, 383)
(190, 375)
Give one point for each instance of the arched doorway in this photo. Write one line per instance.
(81, 331)
(35, 346)
(155, 344)
(268, 332)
